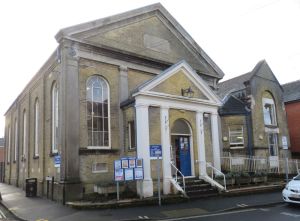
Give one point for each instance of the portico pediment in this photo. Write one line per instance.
(172, 82)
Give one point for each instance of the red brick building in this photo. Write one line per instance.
(292, 107)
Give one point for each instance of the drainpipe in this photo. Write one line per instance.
(249, 132)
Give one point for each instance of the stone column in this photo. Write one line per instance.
(166, 152)
(69, 120)
(201, 143)
(142, 135)
(215, 140)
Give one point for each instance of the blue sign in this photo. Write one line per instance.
(57, 161)
(155, 151)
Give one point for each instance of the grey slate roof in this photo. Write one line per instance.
(233, 106)
(291, 91)
(237, 83)
(1, 142)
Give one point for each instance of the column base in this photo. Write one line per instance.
(145, 188)
(167, 185)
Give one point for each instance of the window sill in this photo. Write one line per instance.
(36, 157)
(53, 154)
(237, 147)
(131, 149)
(271, 125)
(98, 148)
(87, 151)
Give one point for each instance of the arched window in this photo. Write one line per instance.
(54, 122)
(269, 109)
(36, 128)
(24, 135)
(16, 141)
(98, 122)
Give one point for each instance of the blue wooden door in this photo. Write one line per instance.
(185, 156)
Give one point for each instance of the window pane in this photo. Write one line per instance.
(97, 109)
(105, 109)
(97, 95)
(97, 138)
(105, 122)
(106, 139)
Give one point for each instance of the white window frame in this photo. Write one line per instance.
(275, 143)
(16, 141)
(108, 113)
(36, 128)
(8, 145)
(232, 133)
(130, 147)
(94, 168)
(54, 123)
(273, 111)
(24, 135)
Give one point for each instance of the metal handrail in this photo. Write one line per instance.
(176, 176)
(217, 171)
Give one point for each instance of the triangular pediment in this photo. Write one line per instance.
(176, 83)
(149, 32)
(178, 77)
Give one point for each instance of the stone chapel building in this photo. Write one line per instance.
(113, 87)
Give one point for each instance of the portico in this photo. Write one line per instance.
(205, 101)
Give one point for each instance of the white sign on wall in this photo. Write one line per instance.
(284, 143)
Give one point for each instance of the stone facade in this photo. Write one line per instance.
(145, 96)
(244, 105)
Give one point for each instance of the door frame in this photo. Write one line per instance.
(191, 148)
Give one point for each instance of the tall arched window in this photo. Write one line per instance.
(54, 122)
(269, 109)
(24, 135)
(36, 128)
(16, 141)
(98, 123)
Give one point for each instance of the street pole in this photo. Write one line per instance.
(286, 166)
(158, 181)
(118, 191)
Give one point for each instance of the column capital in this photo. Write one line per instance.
(214, 113)
(164, 107)
(142, 106)
(123, 68)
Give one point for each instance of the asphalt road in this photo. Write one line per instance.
(280, 212)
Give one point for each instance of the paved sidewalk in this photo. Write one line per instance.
(38, 208)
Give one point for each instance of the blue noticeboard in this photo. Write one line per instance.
(57, 161)
(155, 151)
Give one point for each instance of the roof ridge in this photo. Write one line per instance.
(292, 82)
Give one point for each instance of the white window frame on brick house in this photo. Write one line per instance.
(269, 114)
(54, 120)
(239, 134)
(36, 128)
(97, 136)
(24, 136)
(273, 144)
(16, 141)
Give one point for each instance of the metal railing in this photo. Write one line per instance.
(258, 164)
(176, 175)
(214, 172)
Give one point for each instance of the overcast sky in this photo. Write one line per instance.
(236, 34)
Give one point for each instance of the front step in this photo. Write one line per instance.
(197, 188)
